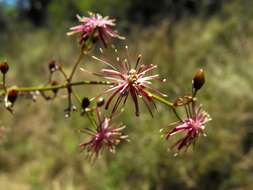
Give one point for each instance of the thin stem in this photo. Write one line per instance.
(165, 102)
(50, 78)
(176, 114)
(162, 100)
(91, 119)
(69, 109)
(69, 79)
(75, 66)
(76, 96)
(4, 83)
(61, 86)
(63, 72)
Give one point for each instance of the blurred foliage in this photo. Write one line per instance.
(39, 151)
(52, 12)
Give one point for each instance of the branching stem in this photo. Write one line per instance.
(165, 102)
(60, 86)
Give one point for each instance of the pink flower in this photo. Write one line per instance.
(193, 126)
(104, 136)
(95, 27)
(128, 80)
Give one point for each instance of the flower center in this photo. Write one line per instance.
(197, 125)
(132, 76)
(100, 137)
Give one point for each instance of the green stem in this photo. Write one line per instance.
(162, 100)
(69, 79)
(75, 66)
(176, 114)
(76, 96)
(165, 102)
(63, 72)
(61, 86)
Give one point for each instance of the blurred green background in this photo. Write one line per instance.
(39, 149)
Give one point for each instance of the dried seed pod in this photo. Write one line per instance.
(52, 66)
(12, 95)
(4, 67)
(198, 80)
(85, 103)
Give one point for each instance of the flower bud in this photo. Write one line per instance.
(85, 103)
(4, 67)
(100, 102)
(198, 79)
(52, 65)
(12, 95)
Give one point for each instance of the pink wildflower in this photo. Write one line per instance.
(95, 26)
(193, 126)
(127, 80)
(104, 136)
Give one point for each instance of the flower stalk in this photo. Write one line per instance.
(161, 100)
(60, 86)
(75, 66)
(167, 103)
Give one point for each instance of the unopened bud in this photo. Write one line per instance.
(52, 65)
(12, 95)
(85, 103)
(4, 67)
(100, 102)
(198, 80)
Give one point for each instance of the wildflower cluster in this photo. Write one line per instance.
(95, 28)
(128, 80)
(102, 135)
(124, 80)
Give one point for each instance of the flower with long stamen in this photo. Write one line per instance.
(103, 136)
(132, 81)
(95, 28)
(193, 125)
